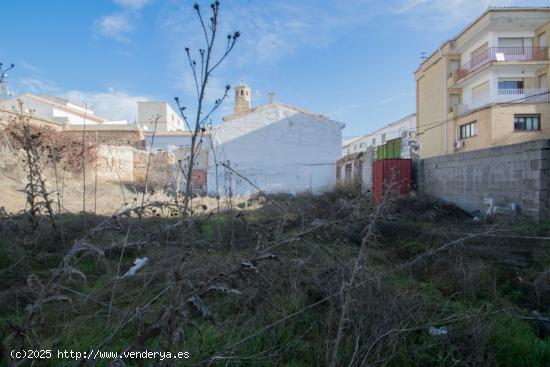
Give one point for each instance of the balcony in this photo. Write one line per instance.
(502, 54)
(505, 97)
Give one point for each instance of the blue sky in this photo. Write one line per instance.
(352, 60)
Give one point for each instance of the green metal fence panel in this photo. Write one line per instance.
(390, 150)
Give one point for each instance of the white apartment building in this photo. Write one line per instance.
(403, 128)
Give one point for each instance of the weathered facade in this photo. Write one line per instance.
(118, 135)
(127, 165)
(356, 170)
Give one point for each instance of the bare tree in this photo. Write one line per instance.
(202, 71)
(3, 72)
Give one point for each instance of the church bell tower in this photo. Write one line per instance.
(242, 98)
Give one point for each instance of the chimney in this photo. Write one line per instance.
(271, 97)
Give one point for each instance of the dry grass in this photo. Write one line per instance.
(278, 280)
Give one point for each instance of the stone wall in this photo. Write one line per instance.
(161, 168)
(123, 164)
(518, 173)
(118, 135)
(115, 164)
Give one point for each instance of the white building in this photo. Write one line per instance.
(168, 119)
(277, 147)
(57, 110)
(403, 128)
(168, 140)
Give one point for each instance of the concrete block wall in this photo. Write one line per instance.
(518, 173)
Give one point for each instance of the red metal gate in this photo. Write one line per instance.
(391, 177)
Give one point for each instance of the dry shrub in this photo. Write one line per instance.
(467, 276)
(536, 288)
(425, 208)
(52, 144)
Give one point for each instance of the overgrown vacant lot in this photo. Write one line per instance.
(300, 281)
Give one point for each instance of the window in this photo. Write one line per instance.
(468, 130)
(543, 42)
(526, 122)
(511, 43)
(347, 173)
(373, 141)
(543, 81)
(383, 138)
(510, 84)
(454, 65)
(480, 54)
(454, 102)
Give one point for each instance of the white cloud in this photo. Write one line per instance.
(115, 26)
(36, 85)
(447, 14)
(118, 25)
(112, 105)
(30, 67)
(132, 4)
(270, 30)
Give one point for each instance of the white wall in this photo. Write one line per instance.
(42, 109)
(278, 149)
(169, 119)
(49, 111)
(168, 142)
(70, 118)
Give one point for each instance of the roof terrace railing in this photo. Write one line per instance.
(502, 54)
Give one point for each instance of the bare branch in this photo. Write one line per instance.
(193, 66)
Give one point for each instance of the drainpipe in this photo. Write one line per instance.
(445, 99)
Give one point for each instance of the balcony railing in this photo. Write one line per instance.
(506, 96)
(504, 54)
(530, 95)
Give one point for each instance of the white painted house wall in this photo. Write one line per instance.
(61, 111)
(169, 119)
(278, 148)
(167, 141)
